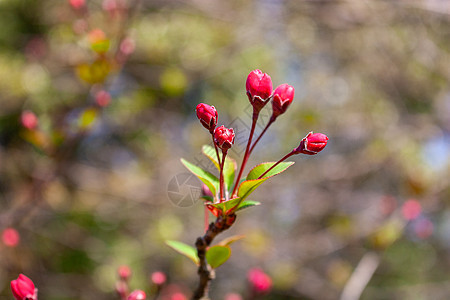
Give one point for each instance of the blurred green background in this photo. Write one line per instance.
(94, 188)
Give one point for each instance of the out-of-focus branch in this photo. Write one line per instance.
(361, 276)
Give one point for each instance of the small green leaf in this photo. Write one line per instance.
(224, 206)
(247, 187)
(207, 178)
(229, 168)
(246, 204)
(261, 168)
(184, 249)
(217, 255)
(231, 239)
(207, 198)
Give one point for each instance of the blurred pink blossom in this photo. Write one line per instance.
(10, 237)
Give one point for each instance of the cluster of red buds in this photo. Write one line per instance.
(259, 90)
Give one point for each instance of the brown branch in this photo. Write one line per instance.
(205, 272)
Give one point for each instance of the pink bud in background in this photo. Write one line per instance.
(158, 278)
(312, 144)
(76, 4)
(259, 281)
(178, 296)
(124, 272)
(282, 98)
(96, 35)
(23, 288)
(207, 115)
(233, 296)
(258, 84)
(137, 295)
(29, 120)
(206, 191)
(127, 46)
(423, 228)
(411, 209)
(224, 137)
(10, 237)
(102, 98)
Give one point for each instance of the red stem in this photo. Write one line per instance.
(224, 153)
(247, 153)
(262, 133)
(281, 160)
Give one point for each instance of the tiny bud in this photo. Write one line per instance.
(411, 209)
(127, 46)
(158, 278)
(10, 237)
(259, 281)
(29, 120)
(23, 288)
(124, 272)
(259, 88)
(102, 98)
(282, 98)
(178, 296)
(233, 296)
(77, 4)
(208, 116)
(137, 295)
(206, 191)
(224, 137)
(312, 144)
(96, 35)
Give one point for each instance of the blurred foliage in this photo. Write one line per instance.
(93, 187)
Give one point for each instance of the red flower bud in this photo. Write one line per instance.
(124, 272)
(158, 278)
(259, 88)
(312, 144)
(10, 237)
(282, 98)
(224, 137)
(207, 115)
(260, 281)
(137, 295)
(29, 120)
(23, 288)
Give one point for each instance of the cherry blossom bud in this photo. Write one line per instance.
(206, 191)
(10, 237)
(124, 272)
(224, 137)
(77, 4)
(259, 88)
(312, 144)
(102, 98)
(23, 288)
(158, 278)
(411, 209)
(259, 281)
(282, 98)
(208, 116)
(29, 120)
(137, 295)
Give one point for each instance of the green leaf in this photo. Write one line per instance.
(207, 178)
(228, 170)
(248, 186)
(246, 204)
(210, 152)
(261, 168)
(217, 255)
(231, 239)
(224, 206)
(182, 248)
(207, 198)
